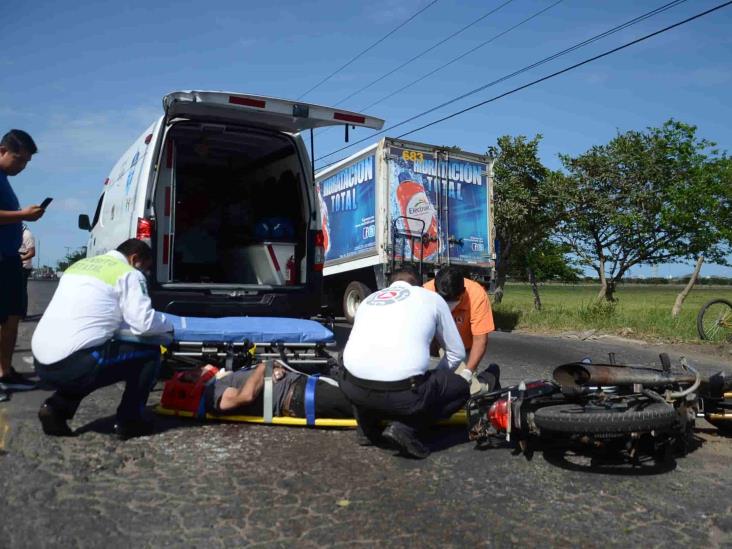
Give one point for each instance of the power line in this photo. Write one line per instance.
(424, 52)
(571, 67)
(453, 60)
(515, 73)
(461, 56)
(369, 48)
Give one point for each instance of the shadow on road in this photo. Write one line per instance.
(105, 425)
(442, 438)
(617, 463)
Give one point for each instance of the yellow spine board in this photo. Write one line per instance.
(459, 418)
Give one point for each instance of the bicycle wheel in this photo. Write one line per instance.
(714, 321)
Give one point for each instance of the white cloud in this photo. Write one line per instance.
(74, 143)
(596, 77)
(16, 113)
(71, 204)
(391, 11)
(710, 76)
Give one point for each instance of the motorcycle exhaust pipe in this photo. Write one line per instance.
(579, 374)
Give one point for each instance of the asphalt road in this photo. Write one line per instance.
(194, 484)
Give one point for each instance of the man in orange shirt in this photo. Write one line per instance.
(470, 309)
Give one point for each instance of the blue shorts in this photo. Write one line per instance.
(11, 287)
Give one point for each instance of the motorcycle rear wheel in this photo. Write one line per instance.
(579, 419)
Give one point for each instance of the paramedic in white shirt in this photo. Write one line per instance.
(386, 363)
(73, 345)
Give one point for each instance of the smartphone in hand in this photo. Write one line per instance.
(46, 202)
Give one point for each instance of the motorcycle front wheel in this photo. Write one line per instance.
(591, 419)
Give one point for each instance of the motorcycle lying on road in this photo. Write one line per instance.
(632, 409)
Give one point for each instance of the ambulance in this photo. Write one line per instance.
(222, 189)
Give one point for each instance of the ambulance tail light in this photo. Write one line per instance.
(319, 255)
(144, 230)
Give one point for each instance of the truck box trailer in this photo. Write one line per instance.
(399, 201)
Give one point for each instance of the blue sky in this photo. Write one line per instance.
(86, 78)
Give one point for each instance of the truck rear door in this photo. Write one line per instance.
(444, 196)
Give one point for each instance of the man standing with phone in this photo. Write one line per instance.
(16, 150)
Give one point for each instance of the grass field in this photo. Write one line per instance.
(641, 312)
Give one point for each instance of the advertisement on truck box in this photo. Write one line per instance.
(348, 210)
(440, 198)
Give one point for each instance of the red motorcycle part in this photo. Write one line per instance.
(498, 414)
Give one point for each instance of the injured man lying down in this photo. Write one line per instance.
(241, 392)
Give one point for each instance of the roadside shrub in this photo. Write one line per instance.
(598, 311)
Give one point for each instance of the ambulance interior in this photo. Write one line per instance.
(240, 207)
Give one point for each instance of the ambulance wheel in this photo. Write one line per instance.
(355, 293)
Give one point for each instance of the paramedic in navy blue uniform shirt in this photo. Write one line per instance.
(16, 150)
(386, 364)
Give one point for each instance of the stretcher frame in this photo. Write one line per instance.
(234, 355)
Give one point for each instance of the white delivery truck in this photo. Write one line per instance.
(222, 188)
(399, 201)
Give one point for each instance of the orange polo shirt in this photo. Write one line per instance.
(473, 315)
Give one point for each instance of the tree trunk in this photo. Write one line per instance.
(500, 283)
(682, 296)
(610, 290)
(534, 288)
(602, 294)
(502, 266)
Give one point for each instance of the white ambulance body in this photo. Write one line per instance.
(222, 188)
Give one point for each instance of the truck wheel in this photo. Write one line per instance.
(355, 293)
(578, 419)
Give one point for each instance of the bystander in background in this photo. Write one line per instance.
(16, 150)
(27, 253)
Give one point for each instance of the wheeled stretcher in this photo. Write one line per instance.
(242, 342)
(239, 342)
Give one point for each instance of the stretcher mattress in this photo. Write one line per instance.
(254, 329)
(459, 418)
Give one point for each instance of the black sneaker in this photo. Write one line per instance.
(407, 443)
(131, 429)
(16, 382)
(4, 396)
(491, 377)
(53, 423)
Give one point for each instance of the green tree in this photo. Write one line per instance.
(721, 170)
(71, 258)
(525, 204)
(546, 261)
(650, 196)
(549, 261)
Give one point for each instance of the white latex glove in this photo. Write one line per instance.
(467, 375)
